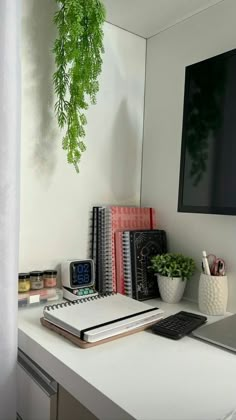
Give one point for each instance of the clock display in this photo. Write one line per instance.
(81, 273)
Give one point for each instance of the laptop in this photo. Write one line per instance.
(221, 333)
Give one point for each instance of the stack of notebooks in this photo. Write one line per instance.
(123, 241)
(98, 319)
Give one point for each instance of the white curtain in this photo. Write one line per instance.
(9, 200)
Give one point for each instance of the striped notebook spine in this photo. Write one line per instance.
(107, 223)
(119, 262)
(101, 250)
(94, 248)
(127, 264)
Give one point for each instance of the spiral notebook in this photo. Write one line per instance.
(96, 318)
(139, 247)
(121, 218)
(97, 247)
(106, 243)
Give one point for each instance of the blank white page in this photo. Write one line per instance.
(80, 315)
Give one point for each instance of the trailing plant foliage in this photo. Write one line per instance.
(173, 265)
(78, 49)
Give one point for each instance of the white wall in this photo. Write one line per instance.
(206, 34)
(55, 201)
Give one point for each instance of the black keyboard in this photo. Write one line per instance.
(178, 325)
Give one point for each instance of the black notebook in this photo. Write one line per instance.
(139, 247)
(97, 245)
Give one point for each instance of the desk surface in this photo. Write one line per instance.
(143, 376)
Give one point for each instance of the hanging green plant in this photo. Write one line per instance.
(78, 50)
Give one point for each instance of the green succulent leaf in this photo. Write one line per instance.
(77, 50)
(173, 265)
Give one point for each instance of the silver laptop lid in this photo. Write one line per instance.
(222, 333)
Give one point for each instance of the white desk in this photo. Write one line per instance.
(143, 376)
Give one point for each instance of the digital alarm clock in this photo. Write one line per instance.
(76, 274)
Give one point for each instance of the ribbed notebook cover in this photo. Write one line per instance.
(98, 247)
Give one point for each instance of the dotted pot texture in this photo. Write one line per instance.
(171, 288)
(213, 294)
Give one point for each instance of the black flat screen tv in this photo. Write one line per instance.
(207, 182)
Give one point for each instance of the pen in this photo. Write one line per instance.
(205, 263)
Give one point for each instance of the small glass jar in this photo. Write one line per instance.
(23, 282)
(50, 278)
(36, 280)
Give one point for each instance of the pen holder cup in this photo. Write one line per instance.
(213, 294)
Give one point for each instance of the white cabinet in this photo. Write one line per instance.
(36, 391)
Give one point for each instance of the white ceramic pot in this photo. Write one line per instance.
(213, 294)
(171, 288)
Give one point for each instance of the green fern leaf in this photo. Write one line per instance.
(78, 53)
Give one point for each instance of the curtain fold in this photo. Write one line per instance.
(9, 200)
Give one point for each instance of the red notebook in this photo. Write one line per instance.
(125, 218)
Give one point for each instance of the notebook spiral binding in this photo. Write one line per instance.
(75, 302)
(108, 244)
(127, 263)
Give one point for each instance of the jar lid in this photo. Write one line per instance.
(36, 273)
(50, 272)
(22, 276)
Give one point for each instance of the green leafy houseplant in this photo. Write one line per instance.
(173, 265)
(78, 49)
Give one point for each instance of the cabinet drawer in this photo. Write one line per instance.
(36, 399)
